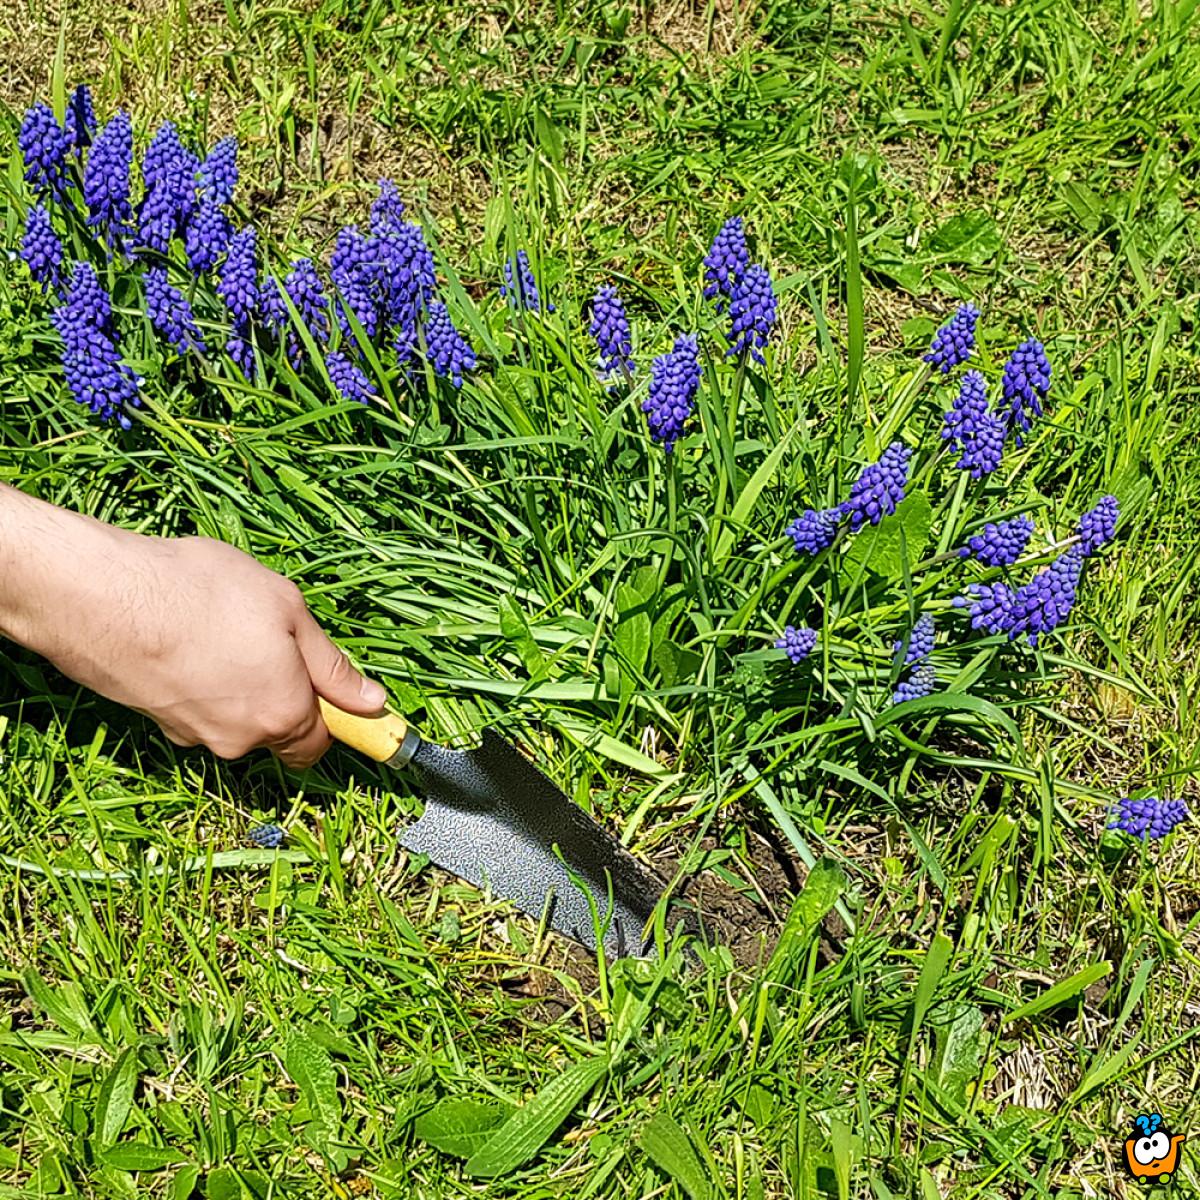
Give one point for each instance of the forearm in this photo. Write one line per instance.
(56, 567)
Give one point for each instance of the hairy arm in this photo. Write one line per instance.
(215, 647)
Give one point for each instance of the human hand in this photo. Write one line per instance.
(217, 648)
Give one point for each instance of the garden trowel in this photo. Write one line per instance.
(492, 818)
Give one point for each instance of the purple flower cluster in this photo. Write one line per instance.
(169, 172)
(237, 285)
(348, 377)
(970, 426)
(879, 488)
(387, 209)
(269, 837)
(44, 147)
(725, 263)
(1149, 817)
(814, 530)
(752, 309)
(610, 328)
(674, 381)
(106, 181)
(41, 249)
(352, 270)
(80, 121)
(304, 289)
(1098, 525)
(170, 313)
(1024, 384)
(218, 173)
(920, 641)
(207, 236)
(407, 280)
(1039, 606)
(91, 359)
(797, 644)
(520, 286)
(954, 343)
(1000, 544)
(921, 682)
(448, 352)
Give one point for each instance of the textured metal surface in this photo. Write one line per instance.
(492, 818)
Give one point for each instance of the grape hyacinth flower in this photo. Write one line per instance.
(206, 236)
(304, 289)
(91, 359)
(1000, 544)
(520, 286)
(920, 641)
(269, 837)
(1149, 817)
(814, 530)
(751, 313)
(1098, 526)
(170, 313)
(725, 263)
(1025, 382)
(169, 172)
(674, 381)
(879, 488)
(972, 427)
(352, 269)
(218, 173)
(387, 210)
(106, 180)
(44, 147)
(990, 606)
(449, 353)
(921, 682)
(954, 343)
(80, 122)
(240, 349)
(407, 279)
(272, 311)
(348, 378)
(42, 250)
(797, 643)
(1047, 599)
(237, 281)
(610, 328)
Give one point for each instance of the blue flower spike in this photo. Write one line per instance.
(797, 643)
(1148, 818)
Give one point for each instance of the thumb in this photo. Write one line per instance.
(331, 673)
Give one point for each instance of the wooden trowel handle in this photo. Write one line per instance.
(380, 737)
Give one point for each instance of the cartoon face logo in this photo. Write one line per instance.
(1152, 1154)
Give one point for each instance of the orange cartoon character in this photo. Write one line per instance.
(1152, 1154)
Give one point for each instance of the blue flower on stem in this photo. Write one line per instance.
(387, 210)
(1098, 526)
(91, 360)
(1000, 544)
(1149, 817)
(353, 271)
(674, 381)
(954, 343)
(304, 289)
(269, 837)
(520, 286)
(815, 529)
(920, 641)
(106, 180)
(405, 271)
(752, 309)
(1025, 382)
(725, 263)
(42, 250)
(921, 682)
(206, 236)
(797, 644)
(610, 327)
(879, 488)
(448, 352)
(348, 378)
(80, 121)
(972, 427)
(44, 148)
(170, 313)
(1038, 607)
(218, 173)
(169, 172)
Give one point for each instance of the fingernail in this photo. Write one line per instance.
(372, 693)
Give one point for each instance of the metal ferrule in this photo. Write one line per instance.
(408, 747)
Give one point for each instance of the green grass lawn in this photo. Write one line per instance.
(951, 981)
